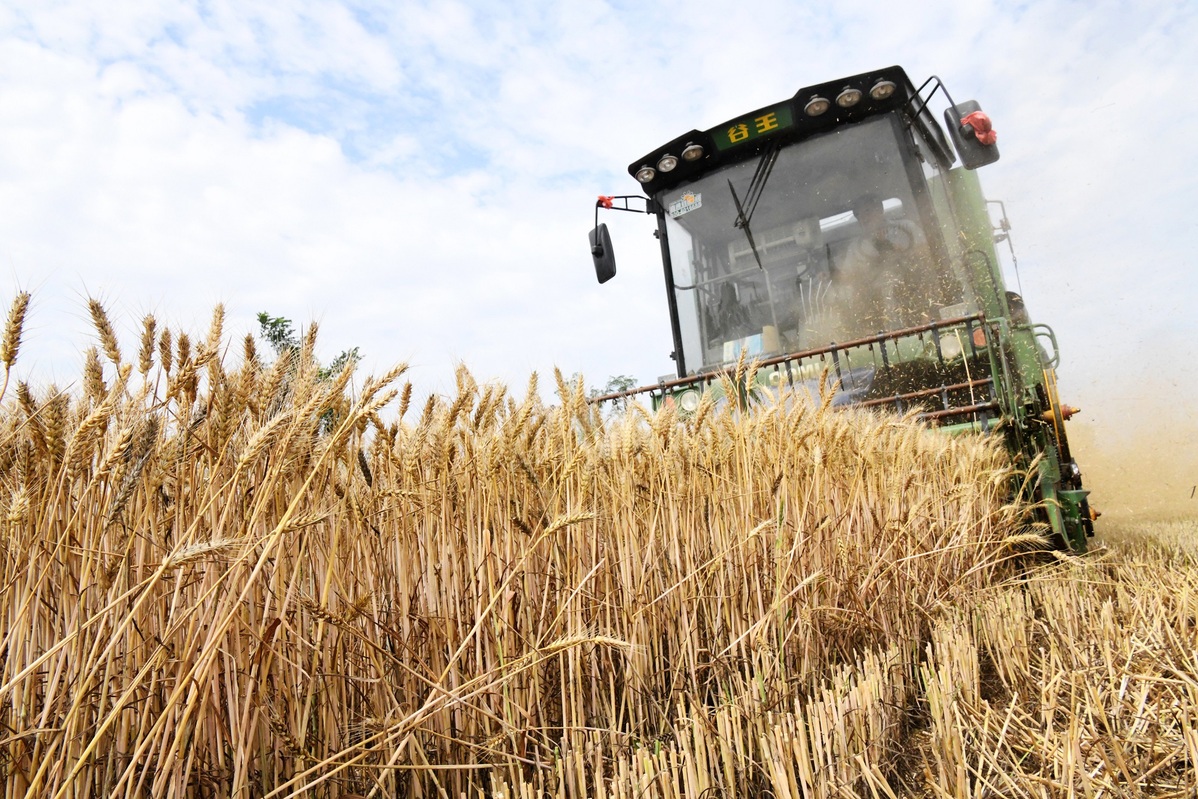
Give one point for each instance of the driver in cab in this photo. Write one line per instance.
(880, 237)
(879, 279)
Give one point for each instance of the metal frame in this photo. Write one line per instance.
(835, 356)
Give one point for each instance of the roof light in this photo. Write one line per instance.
(849, 97)
(816, 106)
(692, 152)
(667, 163)
(882, 89)
(646, 174)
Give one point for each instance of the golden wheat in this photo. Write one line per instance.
(249, 581)
(14, 327)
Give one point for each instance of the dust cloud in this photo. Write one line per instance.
(1141, 463)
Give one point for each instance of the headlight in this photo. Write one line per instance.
(849, 97)
(689, 401)
(816, 106)
(882, 89)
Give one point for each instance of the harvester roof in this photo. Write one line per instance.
(813, 109)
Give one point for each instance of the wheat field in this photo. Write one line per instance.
(224, 576)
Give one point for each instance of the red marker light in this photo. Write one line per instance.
(982, 127)
(605, 201)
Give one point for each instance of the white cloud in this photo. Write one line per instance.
(419, 177)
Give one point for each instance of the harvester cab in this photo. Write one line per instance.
(833, 236)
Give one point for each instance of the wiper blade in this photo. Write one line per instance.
(762, 174)
(742, 222)
(765, 168)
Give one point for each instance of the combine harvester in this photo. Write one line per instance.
(830, 233)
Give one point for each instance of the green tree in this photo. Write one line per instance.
(337, 364)
(614, 385)
(279, 333)
(617, 383)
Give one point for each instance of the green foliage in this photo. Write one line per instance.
(614, 385)
(278, 332)
(338, 363)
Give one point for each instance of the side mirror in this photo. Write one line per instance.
(601, 253)
(972, 134)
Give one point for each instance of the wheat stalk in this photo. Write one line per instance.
(509, 597)
(10, 345)
(103, 326)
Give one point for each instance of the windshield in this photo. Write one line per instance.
(833, 249)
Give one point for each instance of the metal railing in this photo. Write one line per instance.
(978, 392)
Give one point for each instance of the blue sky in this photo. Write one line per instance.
(419, 178)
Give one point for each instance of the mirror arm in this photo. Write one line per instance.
(605, 261)
(609, 203)
(915, 112)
